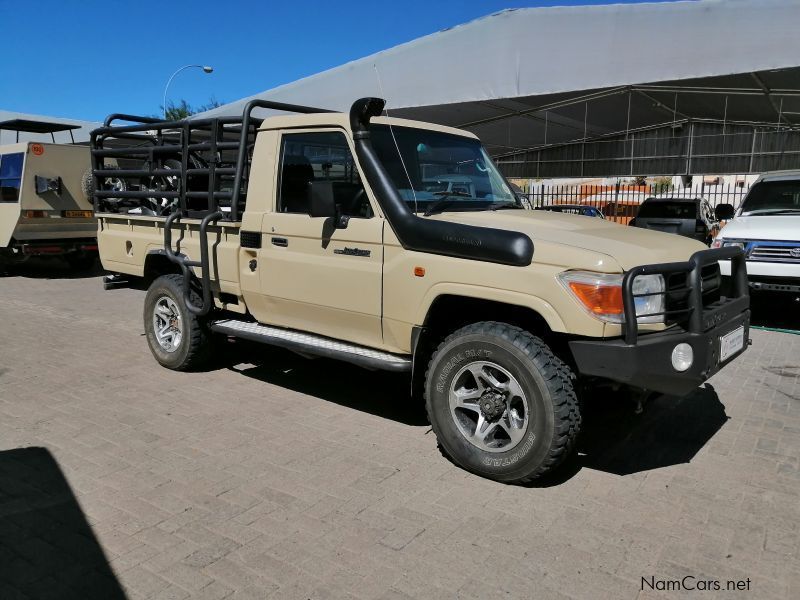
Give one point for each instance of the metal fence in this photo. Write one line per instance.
(685, 147)
(621, 202)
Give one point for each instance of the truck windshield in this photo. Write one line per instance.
(440, 171)
(772, 198)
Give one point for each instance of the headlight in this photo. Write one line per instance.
(601, 295)
(651, 289)
(720, 242)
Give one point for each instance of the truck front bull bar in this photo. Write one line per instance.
(698, 318)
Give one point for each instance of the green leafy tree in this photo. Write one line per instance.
(662, 185)
(181, 110)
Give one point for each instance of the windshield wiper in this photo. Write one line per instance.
(438, 206)
(445, 201)
(453, 193)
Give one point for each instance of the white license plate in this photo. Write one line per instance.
(731, 343)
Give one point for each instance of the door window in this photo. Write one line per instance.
(320, 156)
(10, 176)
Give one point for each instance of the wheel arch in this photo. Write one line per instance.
(156, 263)
(458, 294)
(454, 308)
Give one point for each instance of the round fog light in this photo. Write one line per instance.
(682, 357)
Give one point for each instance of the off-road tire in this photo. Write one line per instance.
(87, 186)
(87, 183)
(554, 422)
(196, 344)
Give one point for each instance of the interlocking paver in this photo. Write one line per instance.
(271, 476)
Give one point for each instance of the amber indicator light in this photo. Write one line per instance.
(600, 299)
(419, 271)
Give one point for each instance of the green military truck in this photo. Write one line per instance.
(321, 232)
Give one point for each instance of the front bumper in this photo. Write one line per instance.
(645, 359)
(768, 276)
(756, 268)
(647, 364)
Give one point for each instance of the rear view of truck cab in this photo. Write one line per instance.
(399, 246)
(44, 206)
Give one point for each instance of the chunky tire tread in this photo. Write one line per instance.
(558, 377)
(196, 333)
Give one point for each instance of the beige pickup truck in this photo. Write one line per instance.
(332, 235)
(44, 206)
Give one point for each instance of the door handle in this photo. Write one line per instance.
(279, 241)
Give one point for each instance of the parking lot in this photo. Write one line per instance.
(272, 476)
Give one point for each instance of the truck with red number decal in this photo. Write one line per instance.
(45, 206)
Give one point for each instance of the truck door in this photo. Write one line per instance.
(315, 277)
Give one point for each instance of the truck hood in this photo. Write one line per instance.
(763, 227)
(628, 246)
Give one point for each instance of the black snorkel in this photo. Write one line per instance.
(426, 235)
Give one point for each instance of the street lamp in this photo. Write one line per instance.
(206, 69)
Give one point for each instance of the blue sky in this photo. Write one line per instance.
(87, 58)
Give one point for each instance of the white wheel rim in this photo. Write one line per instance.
(167, 324)
(489, 407)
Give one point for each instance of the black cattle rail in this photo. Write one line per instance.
(692, 291)
(194, 168)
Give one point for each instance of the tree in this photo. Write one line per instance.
(181, 110)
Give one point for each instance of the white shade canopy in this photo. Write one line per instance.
(544, 51)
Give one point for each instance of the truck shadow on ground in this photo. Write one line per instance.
(377, 393)
(614, 438)
(47, 549)
(775, 309)
(49, 268)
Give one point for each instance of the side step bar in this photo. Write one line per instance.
(115, 281)
(313, 344)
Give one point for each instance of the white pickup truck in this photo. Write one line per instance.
(767, 228)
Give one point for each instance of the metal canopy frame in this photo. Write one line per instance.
(32, 126)
(673, 107)
(216, 149)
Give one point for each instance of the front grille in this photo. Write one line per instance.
(693, 294)
(678, 291)
(769, 253)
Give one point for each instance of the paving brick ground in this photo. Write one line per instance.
(276, 477)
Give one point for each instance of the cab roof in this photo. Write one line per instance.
(342, 120)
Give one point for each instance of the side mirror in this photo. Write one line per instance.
(322, 203)
(723, 212)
